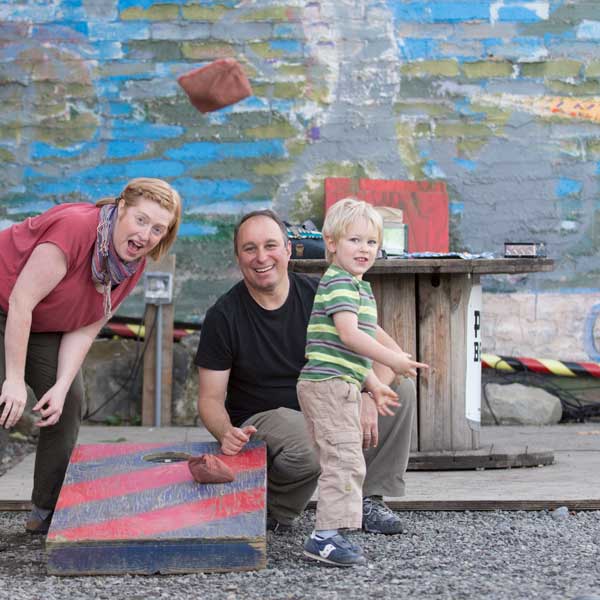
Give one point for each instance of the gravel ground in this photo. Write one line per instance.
(13, 449)
(457, 555)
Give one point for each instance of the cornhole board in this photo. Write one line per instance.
(123, 509)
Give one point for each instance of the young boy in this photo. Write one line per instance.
(340, 348)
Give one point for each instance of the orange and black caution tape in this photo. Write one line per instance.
(133, 330)
(541, 365)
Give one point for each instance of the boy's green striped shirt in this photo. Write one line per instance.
(327, 356)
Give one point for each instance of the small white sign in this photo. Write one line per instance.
(473, 375)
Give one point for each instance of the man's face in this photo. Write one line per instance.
(262, 254)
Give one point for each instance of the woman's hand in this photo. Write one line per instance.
(50, 406)
(14, 398)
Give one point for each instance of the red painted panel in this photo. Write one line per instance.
(424, 203)
(173, 518)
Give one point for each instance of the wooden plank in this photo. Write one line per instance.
(135, 508)
(438, 265)
(166, 264)
(484, 505)
(395, 296)
(480, 459)
(434, 505)
(435, 349)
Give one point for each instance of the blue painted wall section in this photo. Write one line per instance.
(457, 91)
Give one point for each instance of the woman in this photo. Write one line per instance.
(62, 274)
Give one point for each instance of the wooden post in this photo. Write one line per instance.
(165, 265)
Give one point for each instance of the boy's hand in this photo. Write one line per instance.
(404, 365)
(385, 399)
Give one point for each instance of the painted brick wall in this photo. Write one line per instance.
(498, 98)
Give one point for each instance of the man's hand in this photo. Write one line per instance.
(50, 406)
(404, 365)
(14, 398)
(385, 399)
(368, 421)
(234, 439)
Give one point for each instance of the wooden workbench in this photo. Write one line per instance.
(432, 308)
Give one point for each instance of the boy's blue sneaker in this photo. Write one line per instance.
(335, 550)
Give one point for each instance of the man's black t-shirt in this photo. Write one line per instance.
(263, 348)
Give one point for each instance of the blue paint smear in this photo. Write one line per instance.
(212, 189)
(518, 14)
(120, 108)
(42, 150)
(566, 187)
(411, 11)
(456, 208)
(414, 48)
(135, 130)
(468, 165)
(120, 149)
(195, 230)
(455, 12)
(206, 152)
(123, 4)
(33, 206)
(289, 46)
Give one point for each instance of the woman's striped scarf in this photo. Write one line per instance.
(107, 267)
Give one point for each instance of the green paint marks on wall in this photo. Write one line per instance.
(204, 13)
(274, 168)
(551, 69)
(275, 14)
(563, 88)
(265, 50)
(6, 156)
(159, 50)
(461, 130)
(426, 109)
(281, 129)
(431, 68)
(207, 51)
(407, 150)
(593, 69)
(281, 89)
(487, 69)
(309, 202)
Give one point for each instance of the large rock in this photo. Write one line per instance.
(112, 374)
(516, 404)
(113, 371)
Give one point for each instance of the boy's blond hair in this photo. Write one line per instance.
(345, 212)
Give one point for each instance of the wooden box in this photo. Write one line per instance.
(135, 508)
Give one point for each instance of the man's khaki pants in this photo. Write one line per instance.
(293, 465)
(56, 442)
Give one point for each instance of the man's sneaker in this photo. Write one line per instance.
(380, 518)
(38, 521)
(335, 550)
(276, 527)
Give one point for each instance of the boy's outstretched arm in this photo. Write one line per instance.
(346, 324)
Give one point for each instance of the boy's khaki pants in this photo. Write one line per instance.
(332, 411)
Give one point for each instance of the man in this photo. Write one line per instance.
(250, 353)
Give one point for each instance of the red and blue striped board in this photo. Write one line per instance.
(123, 509)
